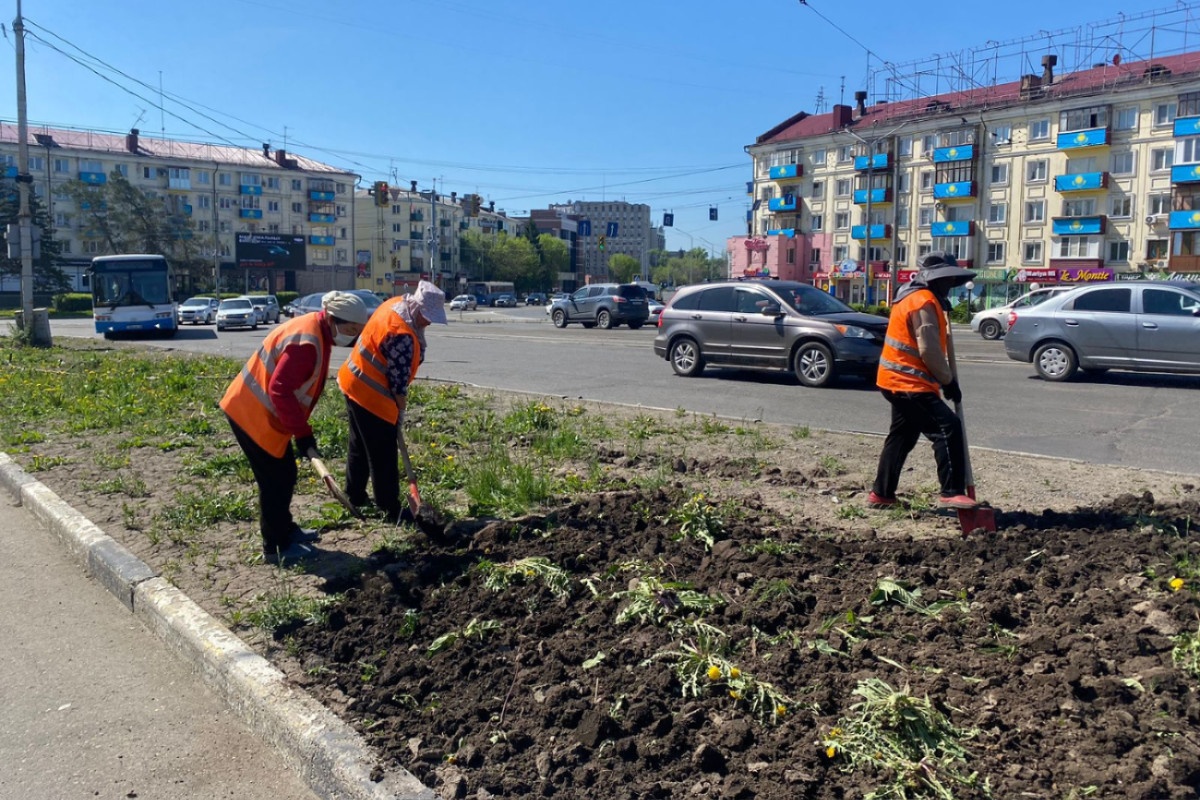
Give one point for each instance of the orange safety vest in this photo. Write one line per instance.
(900, 366)
(247, 401)
(363, 378)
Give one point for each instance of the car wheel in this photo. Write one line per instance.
(560, 318)
(1055, 362)
(633, 326)
(813, 364)
(989, 329)
(604, 320)
(685, 357)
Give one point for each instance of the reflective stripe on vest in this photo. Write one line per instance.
(900, 366)
(363, 377)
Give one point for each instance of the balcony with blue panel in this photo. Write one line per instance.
(783, 172)
(325, 218)
(187, 210)
(249, 189)
(251, 213)
(954, 228)
(877, 231)
(1079, 226)
(877, 161)
(1185, 173)
(1184, 221)
(318, 195)
(959, 190)
(1075, 140)
(10, 172)
(1187, 126)
(947, 155)
(877, 196)
(93, 178)
(321, 241)
(786, 203)
(1081, 182)
(788, 232)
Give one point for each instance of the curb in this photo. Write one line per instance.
(335, 761)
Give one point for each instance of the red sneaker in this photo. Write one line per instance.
(958, 501)
(875, 501)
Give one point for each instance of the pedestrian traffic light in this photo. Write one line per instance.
(381, 193)
(476, 201)
(603, 241)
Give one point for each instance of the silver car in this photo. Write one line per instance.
(1146, 326)
(993, 322)
(776, 325)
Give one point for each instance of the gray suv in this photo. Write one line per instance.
(776, 325)
(266, 306)
(1146, 326)
(603, 305)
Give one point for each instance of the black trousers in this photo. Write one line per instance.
(276, 479)
(372, 454)
(913, 414)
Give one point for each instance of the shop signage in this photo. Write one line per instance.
(758, 244)
(848, 267)
(1066, 275)
(903, 276)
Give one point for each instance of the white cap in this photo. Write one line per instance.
(431, 301)
(345, 306)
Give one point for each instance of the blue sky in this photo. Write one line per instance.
(527, 102)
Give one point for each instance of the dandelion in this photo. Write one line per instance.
(735, 694)
(831, 751)
(735, 673)
(449, 458)
(780, 710)
(714, 673)
(1177, 584)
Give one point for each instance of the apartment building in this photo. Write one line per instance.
(224, 190)
(623, 227)
(1092, 175)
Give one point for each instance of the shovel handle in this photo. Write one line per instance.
(322, 471)
(414, 495)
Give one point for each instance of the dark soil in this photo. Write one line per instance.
(1062, 663)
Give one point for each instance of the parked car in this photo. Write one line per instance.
(505, 301)
(199, 310)
(312, 302)
(464, 302)
(1145, 326)
(238, 312)
(603, 305)
(267, 307)
(535, 299)
(558, 296)
(775, 325)
(654, 308)
(992, 323)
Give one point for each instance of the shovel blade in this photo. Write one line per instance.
(972, 519)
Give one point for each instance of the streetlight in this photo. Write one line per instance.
(894, 271)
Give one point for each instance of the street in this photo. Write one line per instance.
(1127, 419)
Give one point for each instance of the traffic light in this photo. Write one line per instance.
(603, 241)
(476, 200)
(381, 194)
(712, 214)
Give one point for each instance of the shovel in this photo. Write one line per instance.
(971, 519)
(426, 518)
(335, 490)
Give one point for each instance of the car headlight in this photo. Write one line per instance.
(854, 332)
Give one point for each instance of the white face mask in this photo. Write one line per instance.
(343, 339)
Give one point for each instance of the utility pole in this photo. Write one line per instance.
(24, 180)
(433, 233)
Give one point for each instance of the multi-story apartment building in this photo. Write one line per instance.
(1087, 176)
(625, 228)
(223, 190)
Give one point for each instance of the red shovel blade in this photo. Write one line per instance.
(972, 519)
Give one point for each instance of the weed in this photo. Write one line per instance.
(499, 577)
(890, 590)
(652, 600)
(408, 628)
(1003, 642)
(475, 628)
(283, 607)
(773, 547)
(195, 510)
(711, 426)
(1185, 653)
(850, 511)
(397, 541)
(832, 465)
(40, 463)
(129, 485)
(776, 591)
(698, 519)
(801, 432)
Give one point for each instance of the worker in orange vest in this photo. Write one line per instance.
(269, 404)
(375, 380)
(917, 368)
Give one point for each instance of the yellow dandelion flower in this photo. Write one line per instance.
(734, 672)
(735, 694)
(449, 458)
(714, 673)
(1177, 584)
(831, 751)
(780, 710)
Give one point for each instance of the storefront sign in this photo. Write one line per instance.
(902, 276)
(757, 245)
(1066, 275)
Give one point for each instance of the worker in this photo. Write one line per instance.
(270, 402)
(375, 380)
(917, 363)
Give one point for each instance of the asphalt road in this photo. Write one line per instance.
(1147, 421)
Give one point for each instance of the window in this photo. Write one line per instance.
(318, 254)
(272, 205)
(1126, 119)
(273, 183)
(954, 172)
(224, 226)
(297, 208)
(1164, 114)
(297, 185)
(1187, 151)
(1163, 301)
(1039, 130)
(1035, 171)
(250, 179)
(925, 216)
(839, 253)
(62, 219)
(1035, 211)
(818, 223)
(997, 213)
(1075, 247)
(250, 201)
(1031, 253)
(37, 163)
(841, 220)
(926, 180)
(92, 247)
(904, 146)
(842, 187)
(121, 169)
(202, 225)
(1111, 300)
(818, 157)
(928, 144)
(1082, 119)
(901, 254)
(65, 247)
(1079, 207)
(1189, 105)
(999, 173)
(995, 253)
(224, 179)
(924, 250)
(1156, 249)
(1081, 166)
(203, 178)
(203, 201)
(62, 165)
(957, 246)
(341, 211)
(90, 165)
(1118, 252)
(1002, 134)
(902, 215)
(818, 190)
(1123, 163)
(1162, 159)
(1121, 206)
(904, 183)
(845, 153)
(340, 188)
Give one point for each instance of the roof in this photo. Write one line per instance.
(102, 142)
(1094, 80)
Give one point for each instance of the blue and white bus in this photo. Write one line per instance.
(133, 294)
(486, 292)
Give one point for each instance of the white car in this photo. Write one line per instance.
(464, 302)
(237, 313)
(993, 323)
(198, 310)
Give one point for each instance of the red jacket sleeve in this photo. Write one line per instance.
(295, 367)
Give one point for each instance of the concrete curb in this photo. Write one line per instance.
(335, 761)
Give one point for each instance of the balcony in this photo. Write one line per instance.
(1076, 140)
(1185, 173)
(877, 196)
(786, 203)
(960, 190)
(315, 194)
(877, 232)
(954, 228)
(1078, 226)
(1081, 182)
(93, 178)
(1185, 221)
(11, 172)
(250, 213)
(187, 210)
(1187, 126)
(785, 171)
(877, 161)
(945, 155)
(416, 216)
(321, 241)
(322, 218)
(246, 188)
(788, 232)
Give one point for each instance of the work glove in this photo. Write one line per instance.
(307, 445)
(951, 392)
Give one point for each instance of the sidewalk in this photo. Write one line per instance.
(95, 706)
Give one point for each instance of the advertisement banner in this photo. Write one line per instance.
(270, 251)
(1065, 275)
(362, 261)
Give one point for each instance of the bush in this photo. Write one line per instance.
(960, 313)
(286, 297)
(73, 301)
(879, 310)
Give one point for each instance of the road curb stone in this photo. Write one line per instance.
(335, 761)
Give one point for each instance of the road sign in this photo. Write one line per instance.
(611, 229)
(585, 227)
(668, 220)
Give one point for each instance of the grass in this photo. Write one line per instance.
(284, 607)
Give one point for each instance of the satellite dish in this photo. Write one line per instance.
(1117, 60)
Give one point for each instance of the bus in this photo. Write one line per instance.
(486, 292)
(133, 293)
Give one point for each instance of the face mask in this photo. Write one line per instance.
(343, 339)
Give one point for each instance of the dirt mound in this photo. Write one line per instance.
(1048, 645)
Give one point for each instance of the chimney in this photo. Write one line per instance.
(413, 186)
(454, 197)
(266, 150)
(131, 140)
(491, 205)
(841, 116)
(281, 158)
(1048, 64)
(860, 108)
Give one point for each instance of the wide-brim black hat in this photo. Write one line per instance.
(942, 266)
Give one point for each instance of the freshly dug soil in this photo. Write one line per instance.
(1060, 661)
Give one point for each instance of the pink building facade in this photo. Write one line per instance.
(778, 256)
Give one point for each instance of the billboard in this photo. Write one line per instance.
(270, 251)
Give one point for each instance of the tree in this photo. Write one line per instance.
(47, 274)
(556, 258)
(623, 268)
